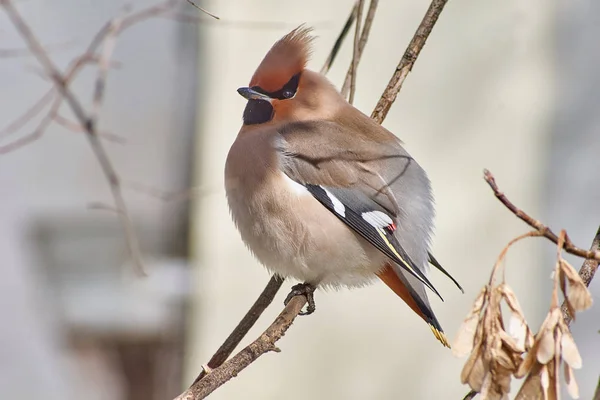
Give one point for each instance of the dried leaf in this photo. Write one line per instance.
(466, 338)
(556, 364)
(572, 387)
(503, 359)
(545, 348)
(527, 363)
(518, 330)
(569, 271)
(463, 344)
(474, 372)
(579, 296)
(562, 281)
(544, 381)
(569, 351)
(486, 387)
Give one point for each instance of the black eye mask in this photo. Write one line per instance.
(261, 111)
(286, 92)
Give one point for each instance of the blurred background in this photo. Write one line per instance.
(511, 86)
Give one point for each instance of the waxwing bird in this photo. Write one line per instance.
(322, 193)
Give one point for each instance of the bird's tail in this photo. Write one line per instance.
(397, 282)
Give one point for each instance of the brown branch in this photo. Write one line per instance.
(361, 46)
(471, 395)
(408, 60)
(243, 327)
(265, 343)
(586, 272)
(60, 84)
(29, 114)
(210, 380)
(202, 9)
(532, 387)
(75, 127)
(597, 394)
(338, 42)
(31, 137)
(107, 36)
(360, 4)
(543, 229)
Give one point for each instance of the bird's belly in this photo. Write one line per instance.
(294, 235)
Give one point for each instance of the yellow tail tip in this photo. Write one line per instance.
(439, 335)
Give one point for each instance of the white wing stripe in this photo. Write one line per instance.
(377, 219)
(338, 206)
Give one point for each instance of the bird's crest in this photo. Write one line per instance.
(287, 57)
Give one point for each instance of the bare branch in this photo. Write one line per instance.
(532, 387)
(211, 379)
(60, 82)
(597, 394)
(110, 43)
(202, 9)
(163, 9)
(24, 52)
(75, 127)
(355, 53)
(408, 60)
(471, 395)
(107, 36)
(338, 42)
(362, 43)
(31, 137)
(244, 326)
(543, 229)
(265, 343)
(28, 115)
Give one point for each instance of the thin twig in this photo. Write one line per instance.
(471, 395)
(355, 53)
(532, 387)
(30, 113)
(362, 43)
(408, 60)
(31, 137)
(586, 272)
(75, 127)
(90, 129)
(265, 343)
(543, 229)
(202, 9)
(110, 42)
(597, 394)
(107, 36)
(263, 301)
(338, 42)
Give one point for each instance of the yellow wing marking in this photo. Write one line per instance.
(389, 245)
(439, 335)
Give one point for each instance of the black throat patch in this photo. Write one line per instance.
(257, 112)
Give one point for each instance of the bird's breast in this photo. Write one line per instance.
(290, 232)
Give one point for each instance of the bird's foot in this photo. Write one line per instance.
(303, 289)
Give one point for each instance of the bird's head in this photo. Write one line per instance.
(283, 90)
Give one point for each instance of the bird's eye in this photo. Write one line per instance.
(288, 94)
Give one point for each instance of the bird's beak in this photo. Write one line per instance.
(252, 94)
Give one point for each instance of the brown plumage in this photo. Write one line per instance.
(286, 58)
(322, 193)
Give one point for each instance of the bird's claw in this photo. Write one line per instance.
(303, 289)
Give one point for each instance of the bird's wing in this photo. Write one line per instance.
(337, 168)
